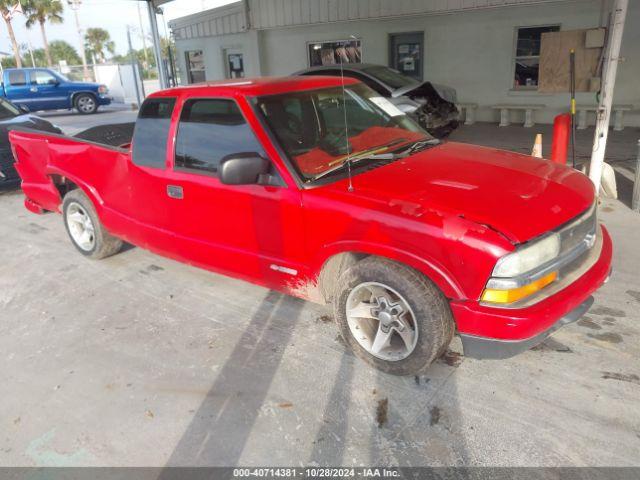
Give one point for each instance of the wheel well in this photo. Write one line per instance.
(62, 184)
(333, 268)
(335, 265)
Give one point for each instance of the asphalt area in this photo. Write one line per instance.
(137, 360)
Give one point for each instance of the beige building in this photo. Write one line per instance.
(488, 50)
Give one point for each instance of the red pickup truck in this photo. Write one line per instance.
(325, 190)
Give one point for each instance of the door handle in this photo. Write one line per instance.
(34, 89)
(175, 191)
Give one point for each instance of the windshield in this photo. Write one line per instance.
(390, 77)
(8, 109)
(310, 127)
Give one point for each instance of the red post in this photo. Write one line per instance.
(560, 141)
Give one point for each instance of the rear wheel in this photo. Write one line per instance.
(86, 103)
(392, 317)
(84, 228)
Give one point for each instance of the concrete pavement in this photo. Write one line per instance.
(141, 361)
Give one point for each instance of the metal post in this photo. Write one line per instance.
(606, 98)
(162, 76)
(134, 65)
(635, 200)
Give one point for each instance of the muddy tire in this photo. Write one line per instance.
(84, 228)
(392, 317)
(85, 103)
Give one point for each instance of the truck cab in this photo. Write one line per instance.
(43, 89)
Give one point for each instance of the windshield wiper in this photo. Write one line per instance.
(420, 145)
(353, 160)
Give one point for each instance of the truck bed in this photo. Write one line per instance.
(47, 162)
(115, 135)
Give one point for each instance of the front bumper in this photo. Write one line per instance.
(491, 348)
(104, 99)
(528, 325)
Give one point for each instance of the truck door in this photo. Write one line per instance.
(17, 89)
(250, 231)
(46, 91)
(146, 207)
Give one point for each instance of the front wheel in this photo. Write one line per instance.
(86, 104)
(393, 317)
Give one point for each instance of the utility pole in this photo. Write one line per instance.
(144, 40)
(610, 68)
(75, 6)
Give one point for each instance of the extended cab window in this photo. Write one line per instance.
(151, 132)
(210, 130)
(17, 78)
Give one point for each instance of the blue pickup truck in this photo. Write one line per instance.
(42, 89)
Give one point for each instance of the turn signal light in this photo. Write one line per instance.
(515, 294)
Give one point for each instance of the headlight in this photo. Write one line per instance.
(519, 274)
(102, 89)
(528, 258)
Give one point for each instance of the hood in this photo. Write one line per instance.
(519, 196)
(27, 121)
(446, 93)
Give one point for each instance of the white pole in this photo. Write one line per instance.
(610, 68)
(157, 48)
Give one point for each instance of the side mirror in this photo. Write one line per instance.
(242, 169)
(23, 108)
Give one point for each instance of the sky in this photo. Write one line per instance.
(112, 15)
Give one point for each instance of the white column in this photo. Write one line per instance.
(603, 114)
(156, 44)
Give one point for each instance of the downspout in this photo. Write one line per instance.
(247, 14)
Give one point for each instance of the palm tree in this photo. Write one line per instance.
(7, 10)
(41, 11)
(98, 40)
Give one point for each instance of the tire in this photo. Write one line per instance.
(79, 214)
(85, 103)
(428, 308)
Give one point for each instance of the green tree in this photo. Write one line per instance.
(60, 50)
(98, 40)
(6, 10)
(40, 12)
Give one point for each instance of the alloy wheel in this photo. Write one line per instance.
(381, 321)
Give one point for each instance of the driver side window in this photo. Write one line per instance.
(42, 77)
(210, 130)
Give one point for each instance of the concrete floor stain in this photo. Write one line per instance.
(434, 415)
(382, 412)
(587, 322)
(623, 377)
(606, 311)
(607, 337)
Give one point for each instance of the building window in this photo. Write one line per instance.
(209, 131)
(527, 57)
(334, 53)
(195, 66)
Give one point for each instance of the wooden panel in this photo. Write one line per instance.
(554, 74)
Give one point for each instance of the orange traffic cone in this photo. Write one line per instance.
(537, 147)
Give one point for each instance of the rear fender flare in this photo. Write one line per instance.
(88, 190)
